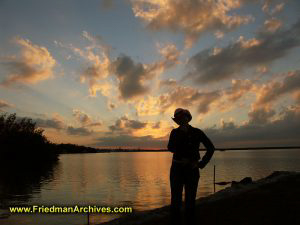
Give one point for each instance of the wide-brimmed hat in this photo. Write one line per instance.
(179, 112)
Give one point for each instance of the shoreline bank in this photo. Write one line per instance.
(271, 200)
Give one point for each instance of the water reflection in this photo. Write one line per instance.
(139, 180)
(21, 181)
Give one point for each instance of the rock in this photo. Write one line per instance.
(244, 181)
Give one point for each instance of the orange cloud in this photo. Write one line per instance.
(189, 16)
(205, 67)
(56, 122)
(35, 64)
(154, 130)
(238, 89)
(170, 52)
(168, 82)
(248, 43)
(297, 96)
(219, 34)
(182, 96)
(111, 105)
(98, 68)
(272, 24)
(272, 91)
(178, 96)
(5, 104)
(148, 106)
(133, 78)
(84, 119)
(267, 8)
(81, 117)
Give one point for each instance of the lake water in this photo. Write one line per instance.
(136, 179)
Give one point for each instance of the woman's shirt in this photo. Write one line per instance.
(186, 144)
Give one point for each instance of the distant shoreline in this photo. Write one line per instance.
(84, 149)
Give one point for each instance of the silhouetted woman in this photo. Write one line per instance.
(184, 143)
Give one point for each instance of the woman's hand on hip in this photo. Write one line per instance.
(201, 164)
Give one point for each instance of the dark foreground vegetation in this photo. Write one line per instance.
(21, 140)
(27, 158)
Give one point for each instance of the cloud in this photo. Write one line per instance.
(243, 54)
(131, 77)
(94, 124)
(34, 65)
(56, 122)
(279, 132)
(49, 123)
(168, 82)
(189, 16)
(136, 128)
(297, 97)
(111, 105)
(155, 129)
(98, 63)
(205, 100)
(189, 97)
(128, 132)
(97, 42)
(81, 117)
(156, 125)
(131, 141)
(266, 7)
(149, 105)
(266, 94)
(238, 89)
(94, 75)
(84, 119)
(5, 104)
(134, 124)
(78, 131)
(170, 53)
(260, 116)
(134, 77)
(273, 90)
(219, 34)
(124, 124)
(179, 96)
(272, 24)
(262, 69)
(104, 87)
(231, 97)
(283, 131)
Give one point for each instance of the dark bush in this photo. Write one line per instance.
(20, 139)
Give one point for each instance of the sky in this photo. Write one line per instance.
(110, 73)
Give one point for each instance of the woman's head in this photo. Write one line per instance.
(182, 116)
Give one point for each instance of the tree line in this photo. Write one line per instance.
(21, 139)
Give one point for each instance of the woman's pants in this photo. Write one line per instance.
(183, 176)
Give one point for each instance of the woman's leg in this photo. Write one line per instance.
(191, 186)
(176, 182)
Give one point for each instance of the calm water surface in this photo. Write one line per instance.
(139, 180)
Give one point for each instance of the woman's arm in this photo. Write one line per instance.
(210, 148)
(172, 142)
